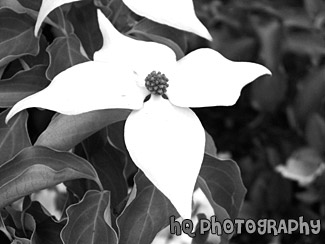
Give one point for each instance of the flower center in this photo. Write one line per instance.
(156, 83)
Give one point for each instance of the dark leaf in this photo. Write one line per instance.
(277, 201)
(210, 147)
(89, 221)
(36, 168)
(221, 182)
(70, 199)
(47, 228)
(270, 34)
(222, 177)
(4, 230)
(31, 4)
(313, 7)
(66, 131)
(62, 24)
(86, 27)
(305, 43)
(64, 52)
(298, 19)
(17, 239)
(42, 58)
(315, 132)
(232, 47)
(109, 164)
(17, 38)
(13, 5)
(146, 215)
(115, 135)
(24, 224)
(14, 136)
(310, 94)
(268, 92)
(22, 84)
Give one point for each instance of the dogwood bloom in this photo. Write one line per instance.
(164, 137)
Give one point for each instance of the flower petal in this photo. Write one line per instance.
(205, 78)
(140, 56)
(167, 143)
(47, 7)
(179, 14)
(85, 87)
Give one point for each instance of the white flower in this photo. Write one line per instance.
(303, 166)
(178, 14)
(164, 137)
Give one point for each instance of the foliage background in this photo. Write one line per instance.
(276, 118)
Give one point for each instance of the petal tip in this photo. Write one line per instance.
(202, 31)
(100, 15)
(37, 26)
(9, 116)
(18, 107)
(210, 38)
(46, 8)
(207, 35)
(267, 71)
